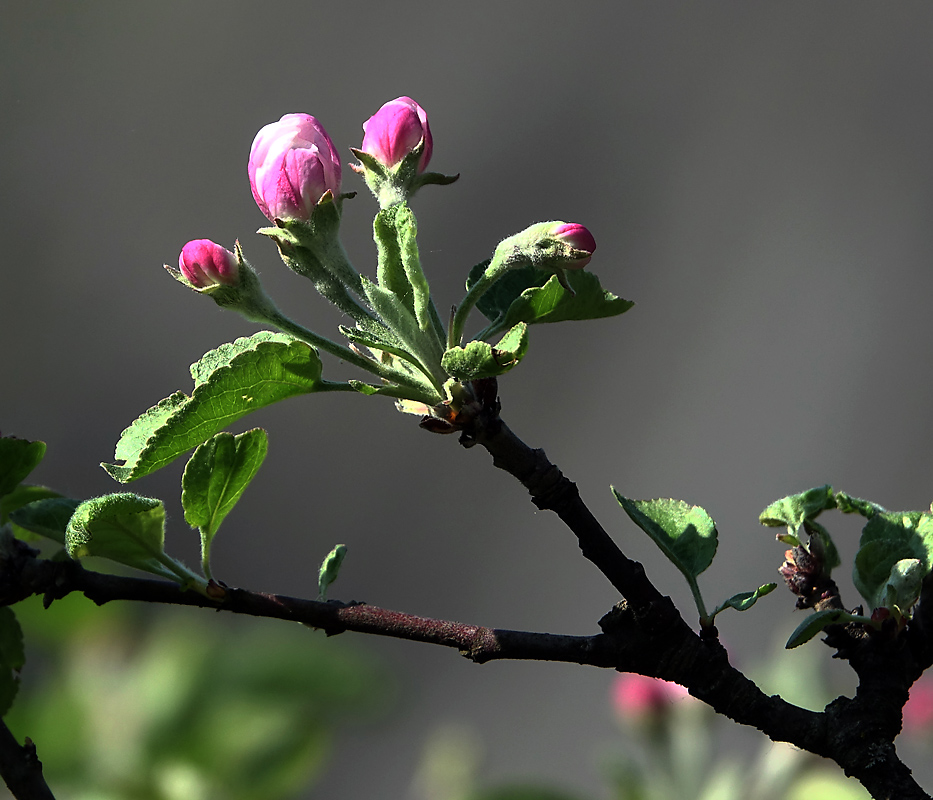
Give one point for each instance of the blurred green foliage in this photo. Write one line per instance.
(131, 703)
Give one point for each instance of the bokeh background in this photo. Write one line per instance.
(759, 178)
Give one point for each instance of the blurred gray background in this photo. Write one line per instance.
(759, 178)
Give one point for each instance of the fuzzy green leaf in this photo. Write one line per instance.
(532, 295)
(744, 600)
(216, 476)
(813, 624)
(855, 505)
(229, 382)
(401, 320)
(791, 511)
(12, 658)
(482, 360)
(18, 457)
(48, 517)
(686, 534)
(390, 273)
(125, 528)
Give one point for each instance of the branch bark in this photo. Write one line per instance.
(21, 769)
(644, 633)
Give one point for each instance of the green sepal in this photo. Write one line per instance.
(482, 360)
(814, 623)
(18, 457)
(128, 529)
(686, 534)
(744, 600)
(215, 477)
(791, 511)
(330, 569)
(12, 657)
(48, 517)
(531, 295)
(229, 382)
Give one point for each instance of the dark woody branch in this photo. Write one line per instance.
(653, 639)
(644, 633)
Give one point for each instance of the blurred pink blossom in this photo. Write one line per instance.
(918, 711)
(638, 696)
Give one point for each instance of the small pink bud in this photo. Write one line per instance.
(579, 238)
(292, 163)
(205, 264)
(395, 130)
(638, 697)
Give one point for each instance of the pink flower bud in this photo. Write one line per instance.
(638, 697)
(395, 130)
(204, 264)
(292, 163)
(579, 238)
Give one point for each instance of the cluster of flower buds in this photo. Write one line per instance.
(295, 178)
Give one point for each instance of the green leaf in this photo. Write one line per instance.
(403, 324)
(385, 343)
(425, 310)
(23, 495)
(532, 295)
(482, 360)
(855, 505)
(216, 475)
(229, 382)
(552, 303)
(49, 517)
(686, 534)
(882, 566)
(791, 511)
(744, 600)
(814, 623)
(330, 569)
(18, 457)
(128, 529)
(390, 273)
(12, 657)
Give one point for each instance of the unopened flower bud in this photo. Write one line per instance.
(205, 263)
(395, 130)
(579, 238)
(292, 164)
